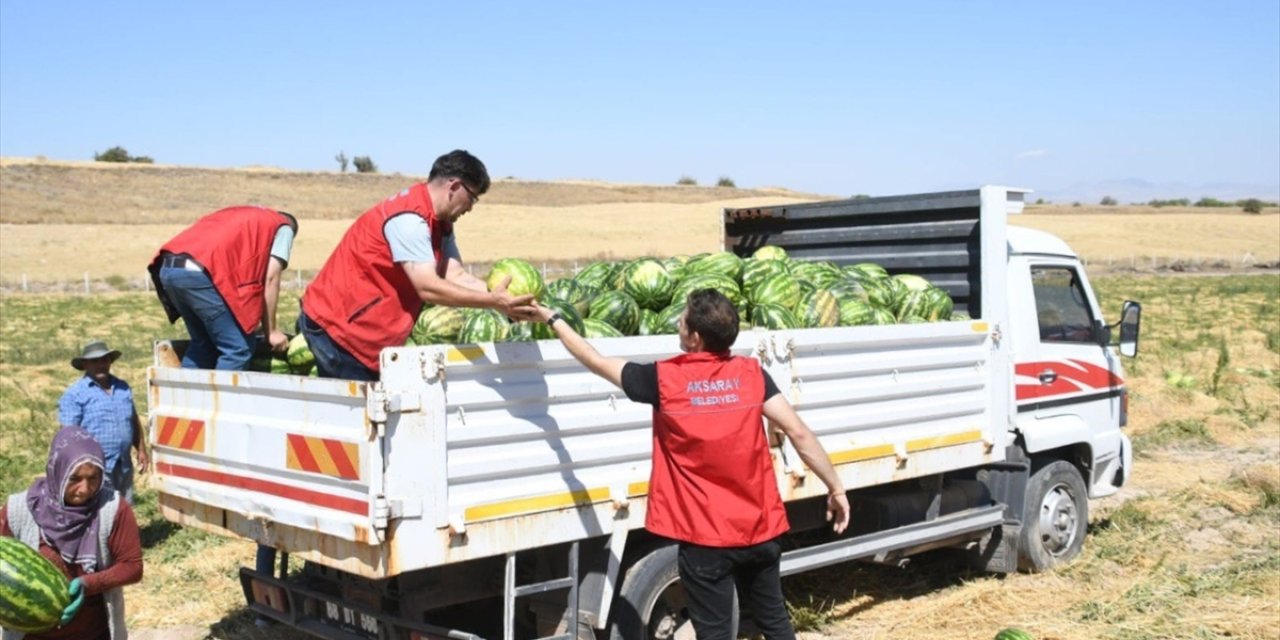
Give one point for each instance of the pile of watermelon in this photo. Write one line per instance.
(34, 592)
(646, 297)
(298, 361)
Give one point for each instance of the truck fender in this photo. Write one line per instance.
(1055, 432)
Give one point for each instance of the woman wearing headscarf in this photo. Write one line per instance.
(88, 533)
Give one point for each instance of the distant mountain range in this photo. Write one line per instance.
(1137, 190)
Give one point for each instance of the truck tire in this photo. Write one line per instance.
(651, 603)
(1054, 518)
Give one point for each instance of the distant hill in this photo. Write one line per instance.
(1135, 190)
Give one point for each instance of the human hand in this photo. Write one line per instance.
(76, 591)
(838, 511)
(279, 342)
(144, 460)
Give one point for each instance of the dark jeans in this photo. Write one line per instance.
(332, 361)
(216, 339)
(711, 574)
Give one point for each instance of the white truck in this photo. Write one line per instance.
(499, 490)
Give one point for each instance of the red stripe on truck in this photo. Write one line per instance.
(307, 496)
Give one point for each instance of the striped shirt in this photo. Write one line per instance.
(108, 416)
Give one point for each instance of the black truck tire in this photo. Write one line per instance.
(1055, 517)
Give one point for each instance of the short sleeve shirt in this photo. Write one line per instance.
(282, 245)
(107, 416)
(410, 240)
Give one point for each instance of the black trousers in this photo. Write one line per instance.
(710, 576)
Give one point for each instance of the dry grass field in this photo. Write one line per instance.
(51, 212)
(1189, 549)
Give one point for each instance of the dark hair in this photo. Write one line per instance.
(463, 166)
(714, 318)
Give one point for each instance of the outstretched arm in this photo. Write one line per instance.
(778, 410)
(608, 368)
(271, 294)
(436, 290)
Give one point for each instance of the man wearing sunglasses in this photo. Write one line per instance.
(397, 256)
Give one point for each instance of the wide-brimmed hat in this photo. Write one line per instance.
(93, 351)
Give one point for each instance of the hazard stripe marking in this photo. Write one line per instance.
(321, 455)
(581, 497)
(181, 433)
(306, 496)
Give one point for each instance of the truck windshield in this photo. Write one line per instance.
(1061, 305)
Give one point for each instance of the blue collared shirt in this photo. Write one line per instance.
(108, 416)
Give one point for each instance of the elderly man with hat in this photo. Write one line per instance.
(102, 404)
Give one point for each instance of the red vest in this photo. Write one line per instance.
(363, 299)
(233, 245)
(713, 482)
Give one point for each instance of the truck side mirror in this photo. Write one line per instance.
(1130, 323)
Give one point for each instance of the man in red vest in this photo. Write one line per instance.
(396, 256)
(712, 487)
(222, 277)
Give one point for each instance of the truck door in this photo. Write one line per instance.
(1067, 384)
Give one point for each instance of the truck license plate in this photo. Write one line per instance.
(350, 619)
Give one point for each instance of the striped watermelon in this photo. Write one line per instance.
(675, 267)
(567, 311)
(912, 320)
(279, 365)
(593, 328)
(755, 272)
(722, 263)
(647, 320)
(940, 304)
(780, 289)
(885, 293)
(34, 592)
(819, 274)
(773, 316)
(770, 252)
(597, 275)
(959, 316)
(437, 325)
(881, 315)
(483, 325)
(1013, 633)
(818, 309)
(849, 289)
(525, 280)
(648, 283)
(854, 312)
(520, 332)
(575, 293)
(665, 322)
(299, 355)
(912, 281)
(715, 281)
(618, 309)
(867, 271)
(915, 303)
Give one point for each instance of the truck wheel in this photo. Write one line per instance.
(651, 603)
(1054, 518)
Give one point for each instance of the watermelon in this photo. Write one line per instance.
(647, 322)
(575, 293)
(773, 316)
(593, 328)
(665, 322)
(648, 283)
(780, 289)
(597, 275)
(959, 316)
(912, 281)
(567, 311)
(755, 272)
(867, 271)
(770, 252)
(854, 312)
(880, 315)
(437, 325)
(618, 309)
(819, 274)
(1013, 633)
(940, 304)
(885, 293)
(483, 325)
(849, 289)
(818, 309)
(280, 366)
(525, 280)
(520, 332)
(260, 364)
(675, 267)
(722, 263)
(915, 303)
(299, 355)
(718, 282)
(34, 592)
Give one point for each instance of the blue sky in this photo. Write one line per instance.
(830, 97)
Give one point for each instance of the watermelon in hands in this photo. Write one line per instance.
(33, 590)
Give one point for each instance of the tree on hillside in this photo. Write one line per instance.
(725, 181)
(342, 161)
(1252, 205)
(364, 164)
(1107, 201)
(687, 181)
(120, 154)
